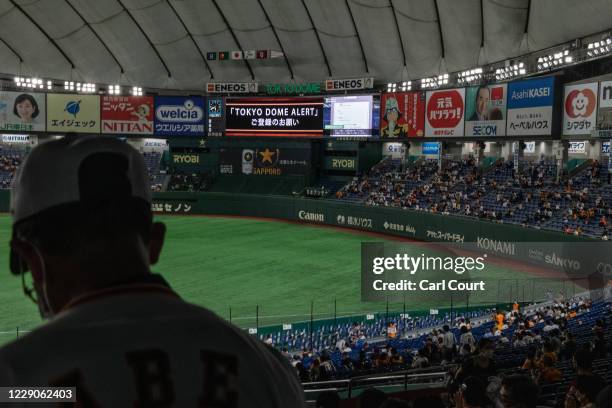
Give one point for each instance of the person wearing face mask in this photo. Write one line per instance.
(83, 227)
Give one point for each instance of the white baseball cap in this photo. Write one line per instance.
(76, 169)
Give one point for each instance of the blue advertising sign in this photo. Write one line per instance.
(605, 147)
(431, 148)
(530, 107)
(531, 93)
(179, 116)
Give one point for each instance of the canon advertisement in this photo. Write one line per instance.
(445, 113)
(530, 107)
(580, 109)
(485, 110)
(287, 117)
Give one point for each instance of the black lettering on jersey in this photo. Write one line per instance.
(220, 376)
(152, 375)
(74, 378)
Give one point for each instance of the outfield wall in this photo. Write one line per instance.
(418, 225)
(412, 224)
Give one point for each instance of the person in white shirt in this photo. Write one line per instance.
(83, 227)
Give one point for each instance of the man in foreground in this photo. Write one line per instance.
(82, 224)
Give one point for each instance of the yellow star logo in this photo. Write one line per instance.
(266, 155)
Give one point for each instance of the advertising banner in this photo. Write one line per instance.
(267, 161)
(431, 148)
(485, 110)
(22, 111)
(216, 116)
(179, 116)
(577, 147)
(348, 84)
(604, 115)
(605, 147)
(402, 114)
(530, 107)
(445, 113)
(394, 149)
(73, 113)
(340, 163)
(580, 109)
(297, 117)
(529, 148)
(232, 87)
(128, 115)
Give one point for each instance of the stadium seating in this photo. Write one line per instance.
(10, 159)
(532, 197)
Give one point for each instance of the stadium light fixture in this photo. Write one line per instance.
(434, 82)
(598, 48)
(554, 60)
(406, 86)
(114, 90)
(86, 87)
(68, 86)
(136, 91)
(391, 87)
(31, 83)
(510, 71)
(470, 75)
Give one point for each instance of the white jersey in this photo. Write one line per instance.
(140, 349)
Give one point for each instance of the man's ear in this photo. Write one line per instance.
(28, 253)
(158, 234)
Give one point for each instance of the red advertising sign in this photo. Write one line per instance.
(445, 113)
(402, 114)
(129, 115)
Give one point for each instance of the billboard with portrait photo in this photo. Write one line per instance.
(22, 111)
(485, 110)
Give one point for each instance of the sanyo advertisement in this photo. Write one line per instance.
(530, 107)
(179, 116)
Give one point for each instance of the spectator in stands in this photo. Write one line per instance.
(466, 338)
(531, 363)
(585, 392)
(89, 247)
(448, 338)
(472, 394)
(421, 361)
(548, 374)
(519, 391)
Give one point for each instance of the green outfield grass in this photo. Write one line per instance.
(242, 264)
